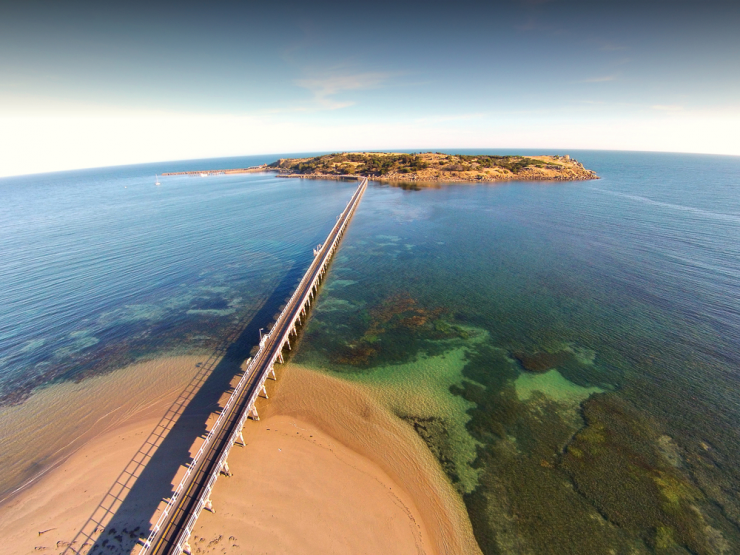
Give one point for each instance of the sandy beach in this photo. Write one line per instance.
(85, 434)
(325, 470)
(57, 420)
(47, 516)
(294, 489)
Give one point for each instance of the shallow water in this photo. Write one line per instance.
(101, 269)
(574, 346)
(569, 352)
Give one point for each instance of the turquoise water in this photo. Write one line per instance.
(570, 352)
(584, 339)
(101, 267)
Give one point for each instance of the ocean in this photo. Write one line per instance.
(570, 352)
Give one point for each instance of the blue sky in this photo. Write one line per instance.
(92, 83)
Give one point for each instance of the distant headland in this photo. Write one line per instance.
(422, 167)
(434, 166)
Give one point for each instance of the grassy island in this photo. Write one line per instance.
(434, 166)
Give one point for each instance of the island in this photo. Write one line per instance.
(433, 166)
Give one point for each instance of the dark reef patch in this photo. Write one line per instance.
(209, 303)
(542, 361)
(523, 503)
(434, 432)
(393, 331)
(632, 474)
(552, 480)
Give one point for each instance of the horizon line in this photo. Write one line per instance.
(334, 151)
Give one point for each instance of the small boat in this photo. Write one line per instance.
(156, 179)
(204, 175)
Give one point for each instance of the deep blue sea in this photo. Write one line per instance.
(595, 401)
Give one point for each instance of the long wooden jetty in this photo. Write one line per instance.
(171, 532)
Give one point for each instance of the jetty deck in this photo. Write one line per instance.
(171, 533)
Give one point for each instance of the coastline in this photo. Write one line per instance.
(349, 414)
(57, 420)
(423, 168)
(84, 446)
(433, 167)
(48, 514)
(364, 483)
(430, 181)
(411, 178)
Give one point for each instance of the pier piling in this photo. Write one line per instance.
(173, 528)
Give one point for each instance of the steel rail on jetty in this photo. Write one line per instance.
(171, 532)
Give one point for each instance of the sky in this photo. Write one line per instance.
(88, 84)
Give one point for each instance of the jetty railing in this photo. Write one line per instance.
(252, 382)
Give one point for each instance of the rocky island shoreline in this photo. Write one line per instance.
(432, 166)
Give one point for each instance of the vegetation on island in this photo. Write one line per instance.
(366, 164)
(434, 166)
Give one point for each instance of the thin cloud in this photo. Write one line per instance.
(324, 89)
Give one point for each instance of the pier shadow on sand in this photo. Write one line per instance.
(121, 520)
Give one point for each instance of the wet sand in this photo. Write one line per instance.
(326, 470)
(45, 517)
(81, 436)
(294, 489)
(334, 473)
(59, 419)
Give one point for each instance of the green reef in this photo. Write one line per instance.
(634, 477)
(546, 460)
(570, 469)
(560, 409)
(410, 326)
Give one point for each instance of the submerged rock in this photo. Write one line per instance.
(542, 361)
(621, 464)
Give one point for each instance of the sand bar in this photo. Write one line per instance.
(364, 483)
(334, 473)
(58, 419)
(295, 489)
(45, 517)
(81, 436)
